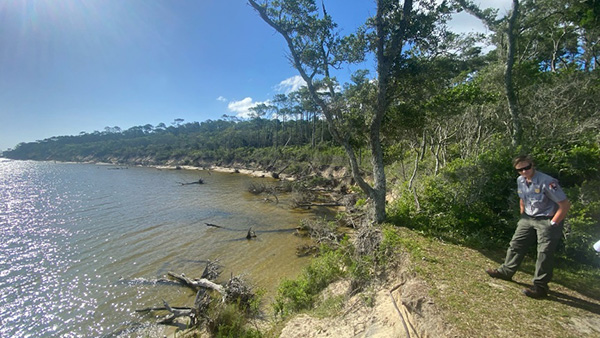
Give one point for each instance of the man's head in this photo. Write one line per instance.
(524, 166)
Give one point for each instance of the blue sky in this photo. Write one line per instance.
(71, 66)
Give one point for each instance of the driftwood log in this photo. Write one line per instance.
(235, 291)
(200, 181)
(202, 299)
(176, 313)
(249, 235)
(308, 205)
(197, 283)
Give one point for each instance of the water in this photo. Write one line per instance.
(82, 246)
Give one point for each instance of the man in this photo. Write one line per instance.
(543, 206)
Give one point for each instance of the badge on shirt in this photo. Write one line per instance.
(537, 190)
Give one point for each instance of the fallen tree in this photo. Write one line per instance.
(197, 283)
(235, 291)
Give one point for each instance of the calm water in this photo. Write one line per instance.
(83, 245)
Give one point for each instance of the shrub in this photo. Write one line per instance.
(300, 294)
(228, 320)
(471, 200)
(584, 223)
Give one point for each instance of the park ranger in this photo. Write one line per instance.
(543, 206)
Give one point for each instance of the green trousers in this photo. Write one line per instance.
(529, 230)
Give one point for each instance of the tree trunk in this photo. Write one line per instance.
(511, 95)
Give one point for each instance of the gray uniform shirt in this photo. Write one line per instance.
(541, 196)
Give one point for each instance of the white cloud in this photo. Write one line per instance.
(222, 99)
(290, 84)
(466, 23)
(242, 108)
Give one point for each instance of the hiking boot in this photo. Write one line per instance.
(535, 292)
(494, 273)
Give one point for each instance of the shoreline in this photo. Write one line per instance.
(232, 170)
(337, 172)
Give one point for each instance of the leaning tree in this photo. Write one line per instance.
(316, 50)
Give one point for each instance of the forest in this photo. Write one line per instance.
(428, 134)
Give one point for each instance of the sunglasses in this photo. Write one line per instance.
(523, 169)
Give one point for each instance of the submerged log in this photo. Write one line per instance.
(251, 234)
(200, 181)
(308, 205)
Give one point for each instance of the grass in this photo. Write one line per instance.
(480, 306)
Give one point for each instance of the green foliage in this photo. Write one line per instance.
(571, 165)
(584, 223)
(229, 321)
(343, 262)
(360, 202)
(361, 269)
(389, 245)
(300, 294)
(259, 140)
(470, 200)
(329, 306)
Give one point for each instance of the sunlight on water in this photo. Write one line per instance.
(34, 253)
(82, 246)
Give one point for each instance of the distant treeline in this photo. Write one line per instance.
(194, 143)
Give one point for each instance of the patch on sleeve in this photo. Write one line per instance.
(553, 185)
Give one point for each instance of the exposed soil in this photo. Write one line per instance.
(399, 307)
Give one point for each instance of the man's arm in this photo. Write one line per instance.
(522, 205)
(561, 213)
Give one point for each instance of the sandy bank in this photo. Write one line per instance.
(250, 172)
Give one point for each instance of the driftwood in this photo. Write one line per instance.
(234, 291)
(201, 302)
(162, 308)
(200, 181)
(212, 270)
(176, 313)
(249, 235)
(307, 198)
(308, 205)
(306, 250)
(267, 199)
(320, 231)
(276, 175)
(197, 283)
